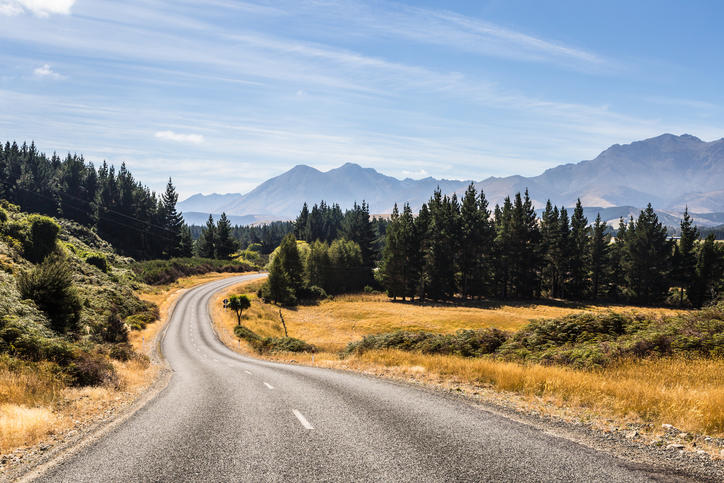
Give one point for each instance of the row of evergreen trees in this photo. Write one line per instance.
(126, 213)
(459, 247)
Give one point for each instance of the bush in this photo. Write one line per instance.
(272, 344)
(312, 293)
(139, 320)
(584, 340)
(43, 238)
(50, 286)
(467, 343)
(115, 330)
(99, 261)
(91, 370)
(3, 216)
(122, 352)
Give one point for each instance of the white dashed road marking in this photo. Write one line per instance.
(268, 385)
(302, 419)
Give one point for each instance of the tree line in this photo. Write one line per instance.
(135, 220)
(329, 252)
(454, 247)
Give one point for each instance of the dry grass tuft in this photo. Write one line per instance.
(20, 425)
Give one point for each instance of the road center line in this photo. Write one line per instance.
(302, 419)
(268, 385)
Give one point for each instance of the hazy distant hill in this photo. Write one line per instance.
(283, 195)
(668, 171)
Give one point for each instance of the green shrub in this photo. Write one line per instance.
(115, 330)
(272, 344)
(139, 320)
(584, 340)
(50, 286)
(467, 343)
(3, 216)
(43, 238)
(312, 293)
(99, 261)
(122, 352)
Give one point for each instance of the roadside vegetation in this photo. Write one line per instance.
(163, 272)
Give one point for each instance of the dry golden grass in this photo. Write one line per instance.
(686, 393)
(21, 425)
(332, 324)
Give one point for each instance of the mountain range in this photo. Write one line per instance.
(668, 171)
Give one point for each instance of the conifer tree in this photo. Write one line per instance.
(685, 260)
(709, 272)
(225, 245)
(206, 246)
(578, 256)
(422, 241)
(173, 221)
(471, 231)
(300, 225)
(358, 228)
(412, 264)
(600, 249)
(186, 247)
(392, 266)
(647, 258)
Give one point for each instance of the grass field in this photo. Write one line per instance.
(688, 393)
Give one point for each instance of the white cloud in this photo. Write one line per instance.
(180, 138)
(41, 8)
(44, 71)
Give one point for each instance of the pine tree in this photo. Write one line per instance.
(300, 224)
(172, 220)
(562, 254)
(206, 246)
(422, 240)
(225, 244)
(392, 267)
(685, 260)
(471, 241)
(411, 252)
(600, 248)
(504, 252)
(647, 258)
(579, 260)
(186, 247)
(549, 247)
(709, 272)
(358, 228)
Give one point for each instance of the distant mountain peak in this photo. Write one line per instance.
(668, 170)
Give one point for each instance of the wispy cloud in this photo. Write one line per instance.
(180, 138)
(44, 71)
(41, 8)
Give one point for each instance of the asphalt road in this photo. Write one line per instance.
(224, 417)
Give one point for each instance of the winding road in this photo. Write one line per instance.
(225, 417)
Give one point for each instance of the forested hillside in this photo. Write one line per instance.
(64, 298)
(126, 213)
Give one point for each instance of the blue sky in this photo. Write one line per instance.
(224, 94)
